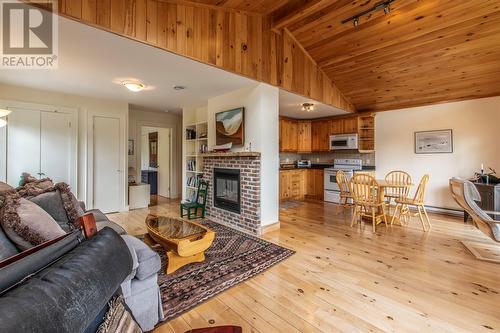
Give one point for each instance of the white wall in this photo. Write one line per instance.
(142, 117)
(476, 140)
(261, 103)
(87, 108)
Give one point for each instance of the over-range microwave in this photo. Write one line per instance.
(343, 141)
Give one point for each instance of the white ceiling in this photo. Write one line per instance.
(291, 106)
(93, 63)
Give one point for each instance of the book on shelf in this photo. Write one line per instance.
(203, 149)
(190, 134)
(191, 165)
(194, 181)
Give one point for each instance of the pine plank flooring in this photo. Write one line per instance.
(345, 279)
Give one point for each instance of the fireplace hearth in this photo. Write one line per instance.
(227, 192)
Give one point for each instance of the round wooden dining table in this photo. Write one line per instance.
(382, 185)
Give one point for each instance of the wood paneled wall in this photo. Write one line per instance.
(237, 41)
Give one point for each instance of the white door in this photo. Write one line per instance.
(164, 162)
(57, 147)
(106, 169)
(23, 144)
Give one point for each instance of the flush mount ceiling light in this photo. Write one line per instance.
(179, 87)
(385, 5)
(134, 86)
(4, 112)
(308, 107)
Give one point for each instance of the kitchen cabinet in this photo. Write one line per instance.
(350, 125)
(320, 135)
(304, 143)
(336, 126)
(297, 184)
(305, 136)
(292, 184)
(288, 135)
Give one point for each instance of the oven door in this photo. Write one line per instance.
(330, 180)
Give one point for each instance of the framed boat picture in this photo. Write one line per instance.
(434, 142)
(230, 127)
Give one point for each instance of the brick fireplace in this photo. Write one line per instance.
(224, 198)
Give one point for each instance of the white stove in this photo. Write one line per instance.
(332, 190)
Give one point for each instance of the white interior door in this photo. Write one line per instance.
(23, 144)
(106, 168)
(57, 148)
(164, 162)
(145, 151)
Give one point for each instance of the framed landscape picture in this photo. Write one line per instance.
(230, 127)
(434, 142)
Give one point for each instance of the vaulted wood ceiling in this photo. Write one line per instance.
(423, 52)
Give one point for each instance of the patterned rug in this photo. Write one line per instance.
(233, 258)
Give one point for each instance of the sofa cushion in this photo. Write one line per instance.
(4, 187)
(149, 261)
(26, 224)
(102, 224)
(51, 203)
(7, 248)
(16, 271)
(60, 297)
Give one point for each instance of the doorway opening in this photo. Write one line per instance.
(156, 163)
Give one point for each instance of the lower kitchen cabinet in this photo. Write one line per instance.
(297, 184)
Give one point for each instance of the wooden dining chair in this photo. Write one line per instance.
(345, 187)
(366, 199)
(399, 178)
(418, 202)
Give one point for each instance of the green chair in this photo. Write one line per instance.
(191, 208)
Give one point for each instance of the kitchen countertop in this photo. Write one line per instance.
(327, 165)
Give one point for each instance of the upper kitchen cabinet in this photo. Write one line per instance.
(320, 130)
(288, 135)
(366, 133)
(350, 125)
(337, 126)
(305, 136)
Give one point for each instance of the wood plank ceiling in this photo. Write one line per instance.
(422, 52)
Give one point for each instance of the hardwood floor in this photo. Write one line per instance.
(345, 279)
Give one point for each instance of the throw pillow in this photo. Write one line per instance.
(26, 224)
(118, 319)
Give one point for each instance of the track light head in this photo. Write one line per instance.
(355, 22)
(387, 9)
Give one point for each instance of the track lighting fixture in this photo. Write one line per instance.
(383, 5)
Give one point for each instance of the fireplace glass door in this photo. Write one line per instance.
(227, 189)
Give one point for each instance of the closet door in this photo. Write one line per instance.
(57, 147)
(23, 144)
(107, 173)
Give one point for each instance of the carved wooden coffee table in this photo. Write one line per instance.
(184, 241)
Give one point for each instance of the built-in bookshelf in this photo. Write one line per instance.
(195, 143)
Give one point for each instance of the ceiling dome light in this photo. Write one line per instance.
(3, 123)
(134, 86)
(308, 107)
(4, 112)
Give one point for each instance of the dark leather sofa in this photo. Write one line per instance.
(49, 290)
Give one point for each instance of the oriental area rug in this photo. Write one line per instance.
(233, 258)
